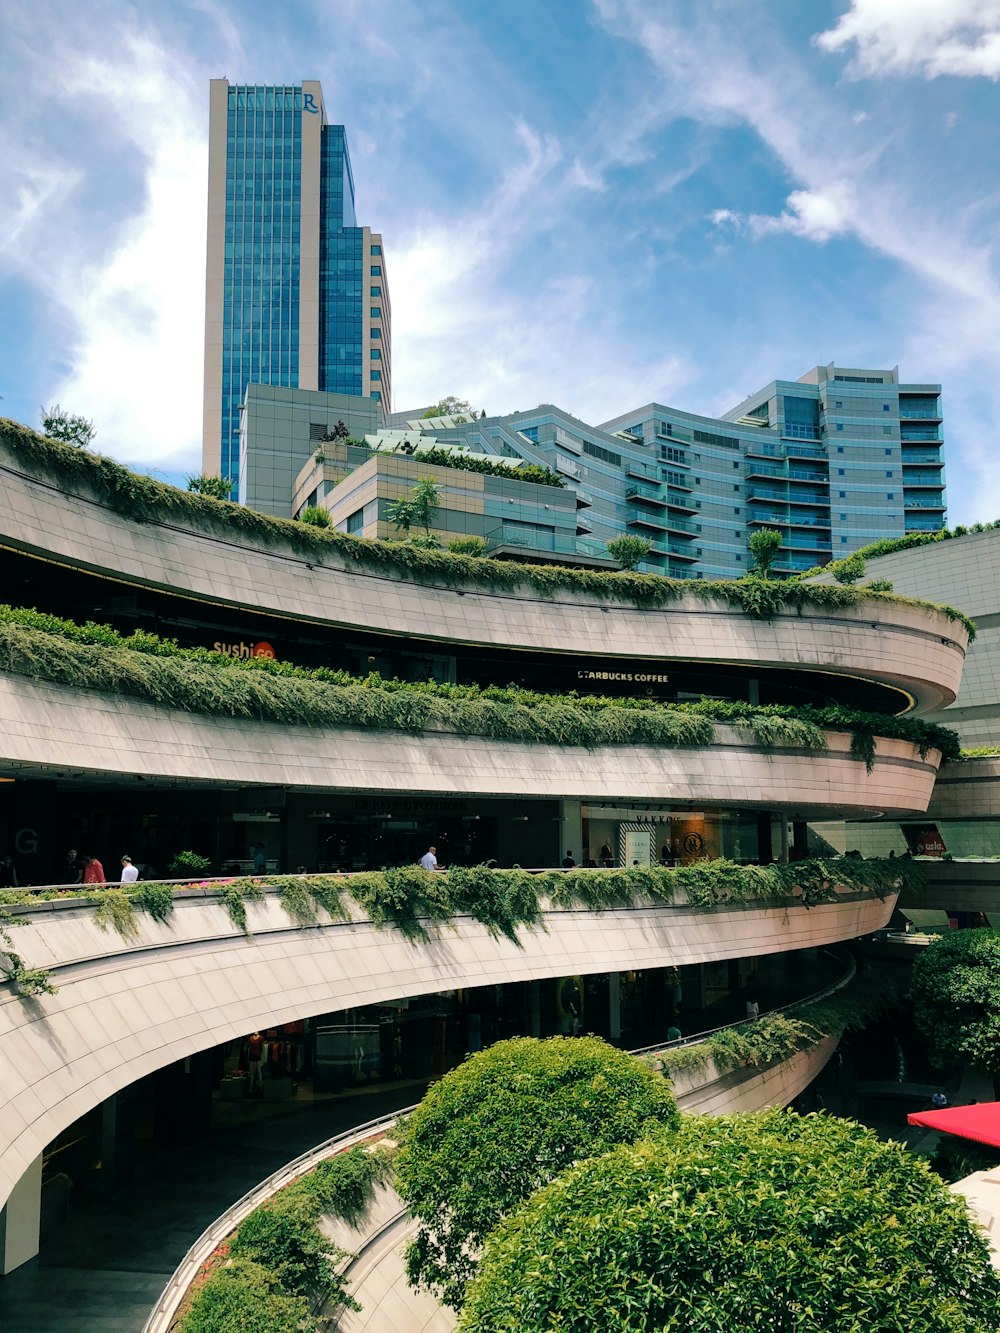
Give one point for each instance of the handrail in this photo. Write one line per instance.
(163, 1313)
(697, 1037)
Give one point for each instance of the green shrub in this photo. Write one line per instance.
(142, 499)
(245, 1297)
(473, 546)
(629, 552)
(114, 908)
(188, 863)
(217, 488)
(315, 515)
(500, 1125)
(772, 1222)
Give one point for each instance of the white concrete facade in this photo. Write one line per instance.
(917, 650)
(124, 1008)
(47, 728)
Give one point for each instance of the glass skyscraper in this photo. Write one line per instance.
(296, 290)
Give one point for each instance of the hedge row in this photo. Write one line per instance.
(772, 1038)
(890, 545)
(96, 657)
(277, 1267)
(410, 899)
(142, 499)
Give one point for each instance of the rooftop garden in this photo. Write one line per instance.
(142, 499)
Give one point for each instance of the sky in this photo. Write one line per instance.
(592, 203)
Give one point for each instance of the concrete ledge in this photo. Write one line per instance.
(50, 729)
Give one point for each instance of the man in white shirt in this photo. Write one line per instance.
(429, 859)
(130, 873)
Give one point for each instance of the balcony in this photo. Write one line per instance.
(805, 451)
(800, 474)
(681, 552)
(647, 494)
(642, 518)
(644, 471)
(678, 500)
(682, 525)
(795, 520)
(922, 457)
(781, 497)
(929, 480)
(909, 502)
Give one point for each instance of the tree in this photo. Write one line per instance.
(502, 1124)
(765, 544)
(67, 427)
(477, 546)
(771, 1222)
(337, 432)
(955, 987)
(629, 551)
(849, 570)
(216, 487)
(419, 507)
(450, 407)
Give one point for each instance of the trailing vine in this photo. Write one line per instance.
(93, 656)
(143, 499)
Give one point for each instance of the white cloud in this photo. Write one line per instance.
(813, 215)
(929, 37)
(849, 181)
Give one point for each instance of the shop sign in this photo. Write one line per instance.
(242, 649)
(628, 677)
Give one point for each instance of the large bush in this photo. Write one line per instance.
(774, 1222)
(502, 1124)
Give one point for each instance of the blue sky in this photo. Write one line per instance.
(593, 203)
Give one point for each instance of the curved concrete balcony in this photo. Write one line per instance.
(48, 730)
(126, 1007)
(916, 651)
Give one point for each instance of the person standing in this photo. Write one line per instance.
(8, 875)
(130, 873)
(429, 859)
(93, 871)
(568, 862)
(73, 873)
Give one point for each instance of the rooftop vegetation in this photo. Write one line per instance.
(890, 545)
(142, 499)
(144, 666)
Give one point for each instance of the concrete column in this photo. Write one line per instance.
(20, 1219)
(570, 831)
(614, 1007)
(535, 1014)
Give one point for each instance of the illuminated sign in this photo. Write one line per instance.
(636, 677)
(242, 649)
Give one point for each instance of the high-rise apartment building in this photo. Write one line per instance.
(296, 290)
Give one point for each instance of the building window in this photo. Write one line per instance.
(843, 518)
(840, 425)
(840, 472)
(885, 407)
(376, 374)
(736, 488)
(887, 430)
(890, 495)
(736, 465)
(356, 521)
(842, 495)
(376, 353)
(888, 453)
(736, 511)
(843, 541)
(376, 249)
(375, 312)
(840, 448)
(376, 333)
(375, 291)
(376, 270)
(376, 395)
(888, 474)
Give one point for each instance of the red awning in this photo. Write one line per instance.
(980, 1122)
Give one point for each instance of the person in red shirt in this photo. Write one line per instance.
(93, 871)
